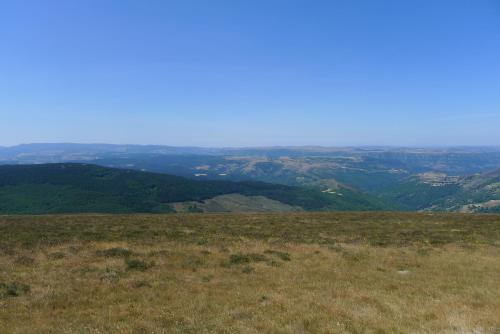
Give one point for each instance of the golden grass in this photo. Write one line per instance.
(251, 285)
(194, 289)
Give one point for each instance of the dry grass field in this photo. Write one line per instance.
(250, 273)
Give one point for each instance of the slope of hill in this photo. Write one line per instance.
(235, 203)
(68, 187)
(477, 193)
(439, 192)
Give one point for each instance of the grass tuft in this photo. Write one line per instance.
(114, 252)
(247, 269)
(13, 289)
(135, 264)
(246, 258)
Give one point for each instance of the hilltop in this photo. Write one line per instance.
(250, 273)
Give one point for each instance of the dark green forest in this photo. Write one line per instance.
(73, 187)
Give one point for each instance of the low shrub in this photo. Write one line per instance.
(114, 252)
(335, 248)
(13, 289)
(274, 263)
(56, 256)
(246, 258)
(135, 264)
(247, 269)
(206, 279)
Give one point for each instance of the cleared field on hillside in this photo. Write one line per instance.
(250, 273)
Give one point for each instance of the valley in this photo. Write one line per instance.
(369, 178)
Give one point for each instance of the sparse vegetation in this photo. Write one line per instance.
(110, 275)
(135, 264)
(24, 260)
(246, 258)
(289, 273)
(114, 252)
(56, 255)
(282, 255)
(13, 289)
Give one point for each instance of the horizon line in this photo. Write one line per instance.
(262, 146)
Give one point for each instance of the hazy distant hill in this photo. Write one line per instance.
(353, 177)
(453, 160)
(53, 188)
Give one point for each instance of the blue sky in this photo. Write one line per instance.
(251, 73)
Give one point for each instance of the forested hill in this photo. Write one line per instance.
(72, 187)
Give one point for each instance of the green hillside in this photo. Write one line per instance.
(478, 193)
(439, 192)
(68, 187)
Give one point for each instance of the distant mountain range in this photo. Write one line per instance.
(469, 159)
(376, 178)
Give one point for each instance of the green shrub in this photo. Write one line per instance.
(202, 242)
(114, 252)
(336, 248)
(247, 269)
(135, 264)
(206, 279)
(56, 256)
(246, 258)
(274, 263)
(13, 289)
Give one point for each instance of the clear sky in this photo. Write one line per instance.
(250, 72)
